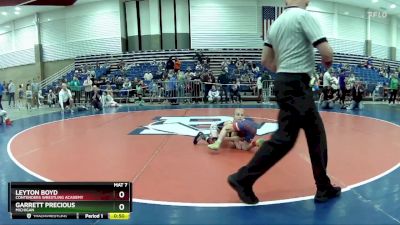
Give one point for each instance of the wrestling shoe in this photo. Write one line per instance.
(257, 143)
(199, 136)
(214, 146)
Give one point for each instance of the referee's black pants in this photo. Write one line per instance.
(297, 110)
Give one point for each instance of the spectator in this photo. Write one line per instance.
(209, 80)
(153, 88)
(259, 89)
(394, 87)
(148, 77)
(328, 98)
(327, 80)
(369, 63)
(172, 89)
(1, 94)
(108, 100)
(3, 115)
(198, 67)
(96, 98)
(126, 85)
(335, 82)
(65, 98)
(177, 65)
(342, 89)
(199, 56)
(35, 92)
(29, 97)
(140, 91)
(255, 69)
(11, 93)
(20, 95)
(40, 98)
(213, 95)
(170, 64)
(235, 94)
(357, 94)
(224, 64)
(75, 87)
(51, 98)
(223, 79)
(351, 80)
(196, 89)
(88, 86)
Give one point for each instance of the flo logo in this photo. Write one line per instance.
(192, 125)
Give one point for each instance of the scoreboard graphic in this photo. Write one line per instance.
(70, 200)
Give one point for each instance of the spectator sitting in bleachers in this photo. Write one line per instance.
(51, 99)
(255, 69)
(148, 76)
(199, 67)
(126, 85)
(224, 63)
(121, 65)
(240, 66)
(213, 95)
(170, 64)
(177, 64)
(119, 82)
(369, 63)
(199, 56)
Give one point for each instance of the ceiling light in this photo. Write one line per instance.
(4, 13)
(375, 1)
(346, 13)
(48, 19)
(16, 13)
(392, 6)
(17, 8)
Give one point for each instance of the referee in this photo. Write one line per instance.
(288, 51)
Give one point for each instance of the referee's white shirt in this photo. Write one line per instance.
(292, 36)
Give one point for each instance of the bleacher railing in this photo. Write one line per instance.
(58, 75)
(183, 91)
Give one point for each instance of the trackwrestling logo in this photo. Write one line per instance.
(192, 125)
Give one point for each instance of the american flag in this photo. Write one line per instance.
(270, 14)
